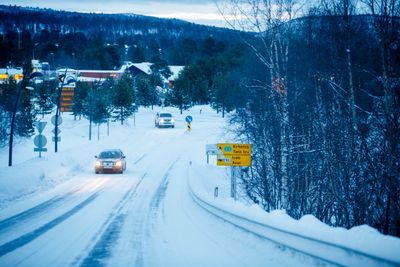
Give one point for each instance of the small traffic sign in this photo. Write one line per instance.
(212, 149)
(40, 125)
(53, 120)
(70, 81)
(58, 131)
(189, 119)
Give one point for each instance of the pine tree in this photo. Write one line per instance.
(223, 94)
(25, 115)
(180, 96)
(43, 97)
(146, 91)
(122, 100)
(8, 94)
(81, 92)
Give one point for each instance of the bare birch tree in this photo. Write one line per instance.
(324, 115)
(385, 14)
(268, 18)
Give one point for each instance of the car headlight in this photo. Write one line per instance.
(118, 163)
(172, 120)
(98, 163)
(161, 120)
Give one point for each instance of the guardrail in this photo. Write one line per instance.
(322, 250)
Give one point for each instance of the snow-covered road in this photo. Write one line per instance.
(56, 212)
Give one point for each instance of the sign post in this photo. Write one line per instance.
(189, 120)
(40, 140)
(56, 120)
(233, 155)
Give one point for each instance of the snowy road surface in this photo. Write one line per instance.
(57, 212)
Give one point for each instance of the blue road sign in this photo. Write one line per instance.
(189, 119)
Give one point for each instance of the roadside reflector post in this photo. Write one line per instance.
(216, 192)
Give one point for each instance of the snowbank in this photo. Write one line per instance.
(204, 178)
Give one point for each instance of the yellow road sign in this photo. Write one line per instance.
(67, 95)
(235, 149)
(18, 76)
(234, 160)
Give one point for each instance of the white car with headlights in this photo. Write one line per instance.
(110, 160)
(164, 119)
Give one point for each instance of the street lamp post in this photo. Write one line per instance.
(91, 109)
(22, 85)
(73, 60)
(33, 52)
(19, 38)
(52, 66)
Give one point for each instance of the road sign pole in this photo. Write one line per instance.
(40, 145)
(40, 140)
(233, 183)
(56, 130)
(233, 155)
(189, 120)
(232, 195)
(58, 111)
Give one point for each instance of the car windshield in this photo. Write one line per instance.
(109, 155)
(165, 115)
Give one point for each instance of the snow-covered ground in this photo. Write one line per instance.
(54, 211)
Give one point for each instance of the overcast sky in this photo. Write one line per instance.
(200, 11)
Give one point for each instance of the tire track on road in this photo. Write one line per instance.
(139, 159)
(25, 215)
(143, 226)
(25, 239)
(41, 208)
(102, 250)
(162, 188)
(107, 238)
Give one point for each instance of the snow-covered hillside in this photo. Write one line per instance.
(55, 211)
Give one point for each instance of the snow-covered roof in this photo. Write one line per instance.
(101, 71)
(90, 79)
(175, 72)
(144, 66)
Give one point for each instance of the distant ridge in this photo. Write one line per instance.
(23, 18)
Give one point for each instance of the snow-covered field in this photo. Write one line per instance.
(54, 211)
